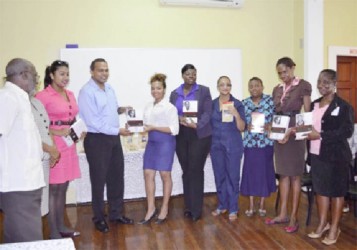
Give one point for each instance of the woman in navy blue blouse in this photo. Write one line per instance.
(228, 121)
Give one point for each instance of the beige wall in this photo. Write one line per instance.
(264, 29)
(340, 24)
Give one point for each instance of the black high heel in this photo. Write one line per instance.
(143, 221)
(160, 221)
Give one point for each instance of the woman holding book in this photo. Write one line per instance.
(228, 121)
(258, 178)
(194, 139)
(289, 97)
(330, 154)
(161, 122)
(62, 109)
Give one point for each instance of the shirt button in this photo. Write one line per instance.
(70, 113)
(40, 114)
(44, 121)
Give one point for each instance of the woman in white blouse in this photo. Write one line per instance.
(161, 123)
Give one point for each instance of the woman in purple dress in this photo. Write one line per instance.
(161, 122)
(258, 178)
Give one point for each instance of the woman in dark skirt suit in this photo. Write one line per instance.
(289, 97)
(330, 154)
(194, 139)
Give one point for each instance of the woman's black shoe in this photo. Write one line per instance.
(143, 221)
(70, 234)
(160, 221)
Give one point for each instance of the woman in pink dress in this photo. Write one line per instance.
(62, 109)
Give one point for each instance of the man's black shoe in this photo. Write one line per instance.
(123, 220)
(101, 226)
(187, 214)
(196, 218)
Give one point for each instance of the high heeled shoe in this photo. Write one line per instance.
(328, 241)
(160, 221)
(314, 235)
(143, 221)
(70, 234)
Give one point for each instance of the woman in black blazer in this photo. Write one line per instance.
(194, 139)
(330, 154)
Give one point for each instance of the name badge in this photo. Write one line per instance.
(336, 111)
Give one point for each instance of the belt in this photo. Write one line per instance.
(59, 123)
(290, 114)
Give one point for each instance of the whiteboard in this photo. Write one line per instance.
(130, 69)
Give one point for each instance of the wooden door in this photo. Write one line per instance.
(347, 80)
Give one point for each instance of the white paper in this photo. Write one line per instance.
(336, 111)
(68, 140)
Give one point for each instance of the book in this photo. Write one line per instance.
(134, 142)
(77, 128)
(226, 114)
(258, 122)
(134, 118)
(279, 127)
(303, 124)
(189, 110)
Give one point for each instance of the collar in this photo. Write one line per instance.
(180, 89)
(94, 85)
(160, 103)
(50, 90)
(294, 83)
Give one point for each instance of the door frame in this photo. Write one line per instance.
(334, 51)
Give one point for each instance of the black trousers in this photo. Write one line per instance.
(106, 167)
(192, 154)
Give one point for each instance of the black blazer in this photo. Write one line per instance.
(335, 130)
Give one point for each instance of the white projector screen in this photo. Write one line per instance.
(130, 69)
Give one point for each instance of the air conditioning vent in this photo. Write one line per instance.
(205, 3)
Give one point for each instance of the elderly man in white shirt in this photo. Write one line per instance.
(21, 172)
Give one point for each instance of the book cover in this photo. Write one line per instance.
(134, 119)
(303, 124)
(279, 127)
(189, 110)
(77, 129)
(258, 122)
(134, 142)
(226, 115)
